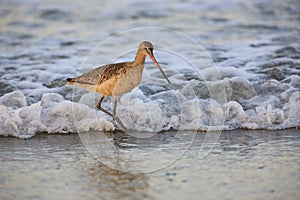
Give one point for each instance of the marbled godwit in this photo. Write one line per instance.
(117, 79)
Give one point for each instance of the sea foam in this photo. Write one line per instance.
(52, 114)
(157, 108)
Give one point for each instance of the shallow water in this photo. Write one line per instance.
(241, 165)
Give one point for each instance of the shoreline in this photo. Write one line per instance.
(118, 132)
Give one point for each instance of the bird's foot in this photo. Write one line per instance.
(120, 123)
(115, 118)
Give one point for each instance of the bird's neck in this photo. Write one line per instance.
(139, 59)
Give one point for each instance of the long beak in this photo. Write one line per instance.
(158, 66)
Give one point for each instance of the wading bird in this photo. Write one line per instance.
(117, 79)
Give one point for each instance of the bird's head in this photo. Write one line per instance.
(146, 48)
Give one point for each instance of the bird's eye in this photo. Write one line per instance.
(148, 49)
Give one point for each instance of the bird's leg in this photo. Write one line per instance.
(115, 116)
(115, 106)
(114, 112)
(102, 109)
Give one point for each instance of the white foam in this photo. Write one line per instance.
(9, 123)
(209, 74)
(155, 108)
(14, 100)
(293, 106)
(52, 114)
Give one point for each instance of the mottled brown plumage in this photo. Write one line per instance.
(98, 75)
(116, 79)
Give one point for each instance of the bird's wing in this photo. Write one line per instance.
(110, 71)
(100, 74)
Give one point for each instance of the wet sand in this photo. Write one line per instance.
(241, 165)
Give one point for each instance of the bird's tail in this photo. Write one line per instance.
(70, 81)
